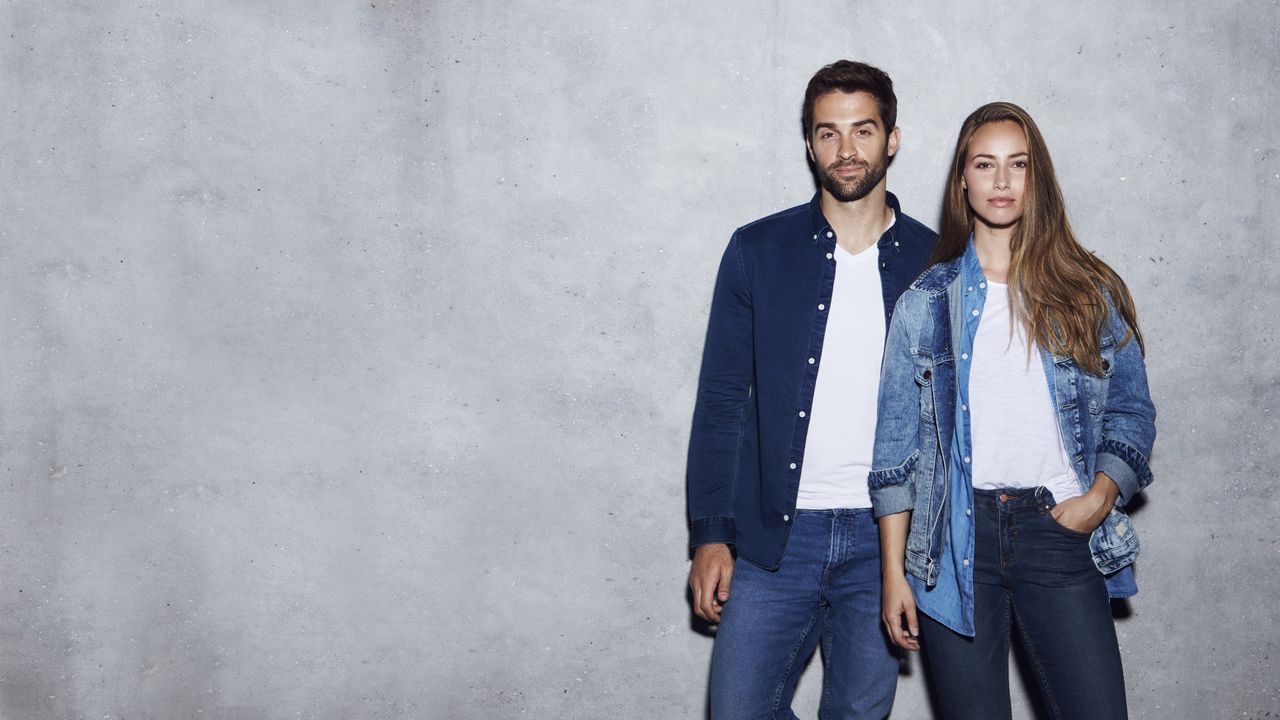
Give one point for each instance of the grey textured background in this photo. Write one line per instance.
(349, 348)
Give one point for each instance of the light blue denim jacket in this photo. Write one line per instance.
(923, 437)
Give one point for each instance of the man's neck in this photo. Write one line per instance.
(860, 223)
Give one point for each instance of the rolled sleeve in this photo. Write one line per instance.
(1128, 421)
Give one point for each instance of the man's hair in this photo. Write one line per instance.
(851, 77)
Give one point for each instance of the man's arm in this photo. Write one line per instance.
(724, 388)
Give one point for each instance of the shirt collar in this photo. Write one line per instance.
(821, 227)
(970, 267)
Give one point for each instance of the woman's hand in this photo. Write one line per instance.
(1084, 513)
(898, 611)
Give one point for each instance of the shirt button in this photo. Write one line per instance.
(964, 356)
(968, 511)
(829, 256)
(966, 458)
(982, 285)
(830, 234)
(812, 361)
(815, 236)
(793, 466)
(966, 562)
(895, 243)
(801, 413)
(964, 408)
(975, 313)
(821, 306)
(786, 518)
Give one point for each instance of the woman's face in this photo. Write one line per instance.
(995, 174)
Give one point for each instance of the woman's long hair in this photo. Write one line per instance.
(1057, 289)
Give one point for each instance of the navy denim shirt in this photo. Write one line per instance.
(759, 368)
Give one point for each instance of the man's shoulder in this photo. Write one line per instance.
(789, 223)
(915, 231)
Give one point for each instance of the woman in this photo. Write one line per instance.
(1014, 423)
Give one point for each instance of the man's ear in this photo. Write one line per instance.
(895, 137)
(808, 145)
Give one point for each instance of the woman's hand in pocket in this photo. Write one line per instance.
(1084, 513)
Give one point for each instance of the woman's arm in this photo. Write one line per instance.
(897, 604)
(1128, 432)
(892, 496)
(1128, 419)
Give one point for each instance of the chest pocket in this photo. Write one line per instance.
(1096, 385)
(927, 368)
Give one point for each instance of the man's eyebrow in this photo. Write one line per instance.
(857, 123)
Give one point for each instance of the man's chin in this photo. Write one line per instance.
(850, 192)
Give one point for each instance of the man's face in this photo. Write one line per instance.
(849, 145)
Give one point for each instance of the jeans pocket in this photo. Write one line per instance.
(1047, 514)
(1076, 534)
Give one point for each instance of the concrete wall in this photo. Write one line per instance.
(350, 347)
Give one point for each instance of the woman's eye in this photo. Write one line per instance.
(982, 165)
(1020, 164)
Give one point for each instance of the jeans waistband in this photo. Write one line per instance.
(1014, 499)
(833, 512)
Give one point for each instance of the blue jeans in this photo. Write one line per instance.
(1035, 574)
(828, 589)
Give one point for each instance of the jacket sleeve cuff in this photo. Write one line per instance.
(705, 531)
(890, 499)
(1121, 474)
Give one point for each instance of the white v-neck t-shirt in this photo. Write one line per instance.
(1016, 442)
(842, 423)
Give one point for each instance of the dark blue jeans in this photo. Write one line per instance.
(1032, 573)
(828, 590)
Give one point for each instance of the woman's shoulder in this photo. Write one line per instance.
(936, 278)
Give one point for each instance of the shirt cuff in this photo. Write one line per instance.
(705, 531)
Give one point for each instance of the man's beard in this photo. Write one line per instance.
(856, 189)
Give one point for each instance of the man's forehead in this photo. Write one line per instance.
(840, 106)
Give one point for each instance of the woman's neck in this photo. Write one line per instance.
(994, 251)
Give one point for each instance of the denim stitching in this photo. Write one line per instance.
(786, 671)
(1035, 662)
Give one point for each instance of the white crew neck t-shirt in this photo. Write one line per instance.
(842, 423)
(1016, 443)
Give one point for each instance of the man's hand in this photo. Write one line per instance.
(898, 608)
(1084, 513)
(709, 579)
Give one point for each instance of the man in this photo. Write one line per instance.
(785, 421)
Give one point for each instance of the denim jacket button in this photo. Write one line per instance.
(928, 374)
